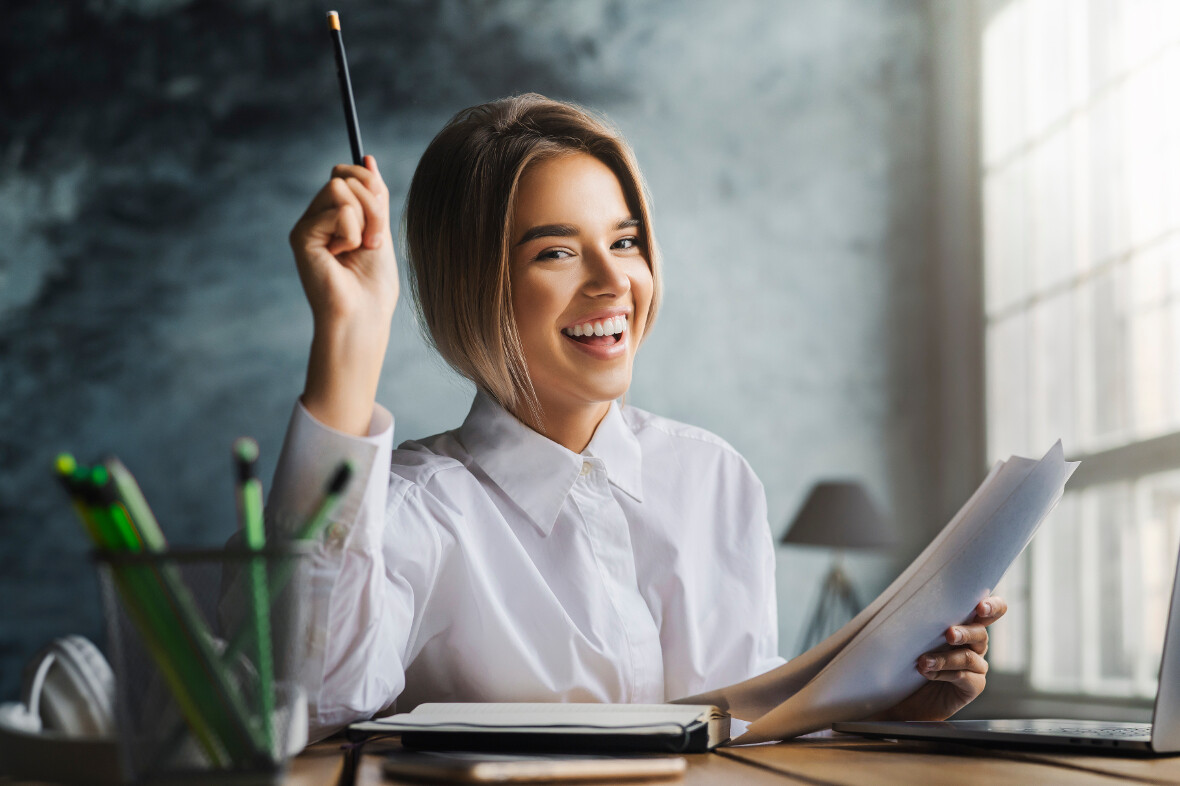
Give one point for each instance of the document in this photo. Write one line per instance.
(869, 664)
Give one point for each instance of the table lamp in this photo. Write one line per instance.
(837, 514)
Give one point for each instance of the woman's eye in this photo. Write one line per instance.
(626, 243)
(554, 253)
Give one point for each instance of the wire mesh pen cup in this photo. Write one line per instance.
(207, 647)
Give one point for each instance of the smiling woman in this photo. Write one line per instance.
(558, 546)
(467, 198)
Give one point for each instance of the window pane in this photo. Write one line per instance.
(1144, 136)
(1109, 208)
(1006, 237)
(1050, 209)
(1046, 64)
(1112, 637)
(1104, 336)
(1003, 104)
(1056, 662)
(1148, 348)
(1052, 404)
(1007, 399)
(1169, 122)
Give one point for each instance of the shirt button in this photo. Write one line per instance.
(586, 467)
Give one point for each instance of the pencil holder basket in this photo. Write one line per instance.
(207, 648)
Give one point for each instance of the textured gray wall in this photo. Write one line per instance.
(153, 156)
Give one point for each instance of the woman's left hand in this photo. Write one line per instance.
(956, 673)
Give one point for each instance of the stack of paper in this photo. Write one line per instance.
(869, 665)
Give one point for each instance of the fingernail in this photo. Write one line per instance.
(957, 636)
(928, 664)
(987, 609)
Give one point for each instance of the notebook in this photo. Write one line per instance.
(1161, 736)
(556, 728)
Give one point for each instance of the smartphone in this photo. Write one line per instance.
(459, 767)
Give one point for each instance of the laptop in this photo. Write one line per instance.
(1161, 736)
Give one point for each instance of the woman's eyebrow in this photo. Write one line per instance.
(567, 230)
(548, 230)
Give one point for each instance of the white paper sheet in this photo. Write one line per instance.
(869, 664)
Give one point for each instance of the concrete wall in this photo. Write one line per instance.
(153, 156)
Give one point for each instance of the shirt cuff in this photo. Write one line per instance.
(311, 454)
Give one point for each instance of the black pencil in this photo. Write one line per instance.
(354, 131)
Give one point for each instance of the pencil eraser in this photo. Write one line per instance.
(333, 20)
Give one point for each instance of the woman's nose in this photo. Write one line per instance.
(606, 274)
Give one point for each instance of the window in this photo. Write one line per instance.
(1081, 223)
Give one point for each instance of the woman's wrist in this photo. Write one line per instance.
(343, 372)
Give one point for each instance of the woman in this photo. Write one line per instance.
(556, 546)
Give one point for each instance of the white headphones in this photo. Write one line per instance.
(64, 730)
(69, 688)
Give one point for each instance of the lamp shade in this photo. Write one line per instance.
(841, 515)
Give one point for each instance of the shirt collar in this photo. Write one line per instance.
(536, 472)
(616, 444)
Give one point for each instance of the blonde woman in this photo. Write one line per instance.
(556, 546)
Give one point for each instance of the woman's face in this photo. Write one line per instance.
(577, 262)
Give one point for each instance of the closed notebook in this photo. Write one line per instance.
(553, 727)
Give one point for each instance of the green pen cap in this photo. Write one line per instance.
(65, 464)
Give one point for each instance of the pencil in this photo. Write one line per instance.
(354, 131)
(249, 495)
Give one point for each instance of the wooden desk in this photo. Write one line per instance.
(835, 761)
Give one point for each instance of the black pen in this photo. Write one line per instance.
(354, 132)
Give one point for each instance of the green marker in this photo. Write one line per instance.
(153, 613)
(286, 567)
(249, 497)
(137, 507)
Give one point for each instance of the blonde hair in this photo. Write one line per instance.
(457, 221)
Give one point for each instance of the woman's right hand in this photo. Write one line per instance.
(344, 254)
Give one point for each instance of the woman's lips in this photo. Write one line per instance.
(600, 347)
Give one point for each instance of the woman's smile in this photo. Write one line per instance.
(600, 337)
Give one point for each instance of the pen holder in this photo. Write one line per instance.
(207, 650)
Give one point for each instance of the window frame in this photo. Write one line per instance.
(960, 343)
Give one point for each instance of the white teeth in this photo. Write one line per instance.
(606, 327)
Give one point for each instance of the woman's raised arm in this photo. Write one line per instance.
(344, 251)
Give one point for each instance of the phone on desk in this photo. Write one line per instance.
(461, 767)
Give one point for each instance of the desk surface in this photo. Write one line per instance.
(835, 762)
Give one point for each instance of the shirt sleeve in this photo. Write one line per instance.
(357, 621)
(762, 583)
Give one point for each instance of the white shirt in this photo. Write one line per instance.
(493, 564)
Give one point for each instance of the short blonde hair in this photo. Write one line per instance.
(457, 221)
